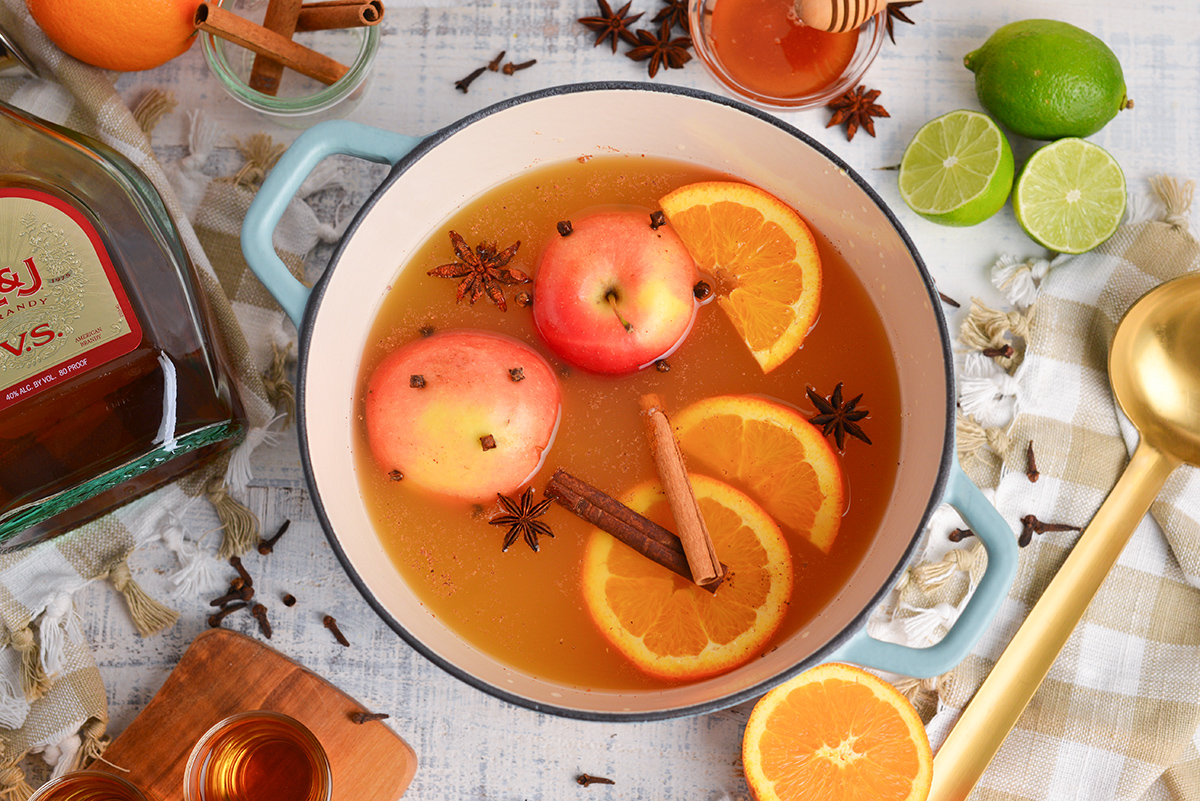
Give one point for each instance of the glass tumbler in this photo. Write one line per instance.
(258, 756)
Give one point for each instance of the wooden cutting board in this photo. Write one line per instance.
(223, 672)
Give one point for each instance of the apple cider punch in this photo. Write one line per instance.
(512, 358)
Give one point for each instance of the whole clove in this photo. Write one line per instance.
(1031, 468)
(587, 780)
(241, 593)
(494, 64)
(949, 300)
(214, 620)
(331, 624)
(1005, 352)
(268, 545)
(1030, 525)
(236, 561)
(701, 290)
(564, 228)
(960, 534)
(367, 717)
(657, 219)
(662, 366)
(260, 613)
(462, 84)
(510, 67)
(288, 599)
(524, 299)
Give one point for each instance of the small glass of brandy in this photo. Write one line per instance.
(90, 785)
(258, 756)
(759, 50)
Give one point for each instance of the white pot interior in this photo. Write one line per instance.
(567, 125)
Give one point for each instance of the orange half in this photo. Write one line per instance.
(836, 733)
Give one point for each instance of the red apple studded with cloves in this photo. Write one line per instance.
(615, 293)
(463, 413)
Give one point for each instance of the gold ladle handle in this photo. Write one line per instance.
(993, 711)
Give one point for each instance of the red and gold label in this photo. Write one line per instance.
(63, 310)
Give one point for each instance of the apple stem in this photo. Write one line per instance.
(612, 301)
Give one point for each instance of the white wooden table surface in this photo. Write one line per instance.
(469, 745)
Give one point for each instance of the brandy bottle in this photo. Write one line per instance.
(112, 378)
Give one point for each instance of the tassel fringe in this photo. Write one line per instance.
(1177, 196)
(1019, 281)
(987, 328)
(973, 439)
(917, 690)
(240, 524)
(94, 739)
(280, 391)
(149, 616)
(34, 681)
(261, 152)
(154, 105)
(13, 784)
(52, 629)
(237, 472)
(931, 575)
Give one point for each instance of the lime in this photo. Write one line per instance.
(957, 170)
(1070, 196)
(1047, 80)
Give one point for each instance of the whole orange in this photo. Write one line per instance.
(123, 35)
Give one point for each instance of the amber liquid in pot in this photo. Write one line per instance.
(524, 608)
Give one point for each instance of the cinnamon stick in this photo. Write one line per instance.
(337, 14)
(241, 31)
(608, 514)
(672, 474)
(266, 72)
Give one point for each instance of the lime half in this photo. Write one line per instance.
(957, 170)
(1070, 196)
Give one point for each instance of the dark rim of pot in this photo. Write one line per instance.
(724, 701)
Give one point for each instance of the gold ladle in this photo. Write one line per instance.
(1154, 369)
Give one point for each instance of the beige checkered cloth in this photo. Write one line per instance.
(1118, 715)
(52, 700)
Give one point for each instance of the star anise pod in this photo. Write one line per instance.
(838, 417)
(612, 25)
(482, 271)
(895, 12)
(676, 13)
(521, 518)
(662, 50)
(856, 107)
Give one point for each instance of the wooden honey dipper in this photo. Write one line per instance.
(837, 16)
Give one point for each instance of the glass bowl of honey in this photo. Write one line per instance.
(761, 52)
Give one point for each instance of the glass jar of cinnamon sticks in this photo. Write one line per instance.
(298, 62)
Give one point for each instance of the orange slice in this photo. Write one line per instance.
(834, 733)
(761, 254)
(773, 453)
(665, 624)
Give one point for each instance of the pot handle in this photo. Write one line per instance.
(333, 137)
(1001, 545)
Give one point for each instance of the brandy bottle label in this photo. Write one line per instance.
(63, 310)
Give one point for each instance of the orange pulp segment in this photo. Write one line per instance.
(773, 453)
(762, 256)
(665, 624)
(835, 733)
